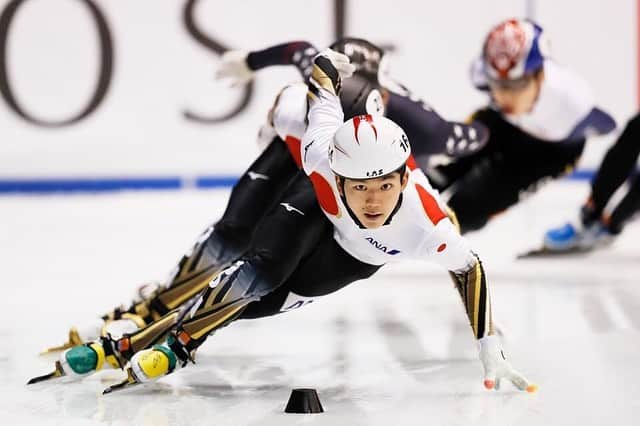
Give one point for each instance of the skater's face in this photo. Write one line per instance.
(373, 200)
(517, 99)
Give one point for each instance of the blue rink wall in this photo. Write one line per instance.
(97, 184)
(148, 183)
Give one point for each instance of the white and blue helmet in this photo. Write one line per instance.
(514, 49)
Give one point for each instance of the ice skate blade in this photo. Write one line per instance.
(58, 372)
(127, 383)
(545, 252)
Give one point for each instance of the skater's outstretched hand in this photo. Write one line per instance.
(496, 367)
(233, 67)
(329, 69)
(340, 62)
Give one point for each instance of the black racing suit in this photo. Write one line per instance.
(253, 200)
(513, 163)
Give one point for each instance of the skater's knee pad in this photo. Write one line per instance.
(224, 250)
(241, 280)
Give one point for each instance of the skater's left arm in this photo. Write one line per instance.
(597, 122)
(471, 281)
(453, 252)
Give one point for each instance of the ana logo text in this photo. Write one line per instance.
(375, 173)
(382, 247)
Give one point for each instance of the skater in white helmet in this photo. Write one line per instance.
(260, 187)
(380, 209)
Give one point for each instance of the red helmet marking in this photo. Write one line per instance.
(325, 194)
(430, 205)
(293, 144)
(505, 46)
(356, 123)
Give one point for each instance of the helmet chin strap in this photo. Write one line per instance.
(395, 210)
(344, 201)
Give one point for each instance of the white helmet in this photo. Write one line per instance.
(367, 147)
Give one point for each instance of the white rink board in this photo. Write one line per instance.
(160, 70)
(394, 349)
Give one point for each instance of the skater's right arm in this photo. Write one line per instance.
(325, 111)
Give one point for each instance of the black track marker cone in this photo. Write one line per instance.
(304, 401)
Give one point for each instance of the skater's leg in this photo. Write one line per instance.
(259, 188)
(328, 269)
(594, 230)
(255, 193)
(288, 234)
(626, 209)
(616, 167)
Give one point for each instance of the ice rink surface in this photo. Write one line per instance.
(392, 350)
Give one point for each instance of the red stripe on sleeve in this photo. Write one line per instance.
(430, 205)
